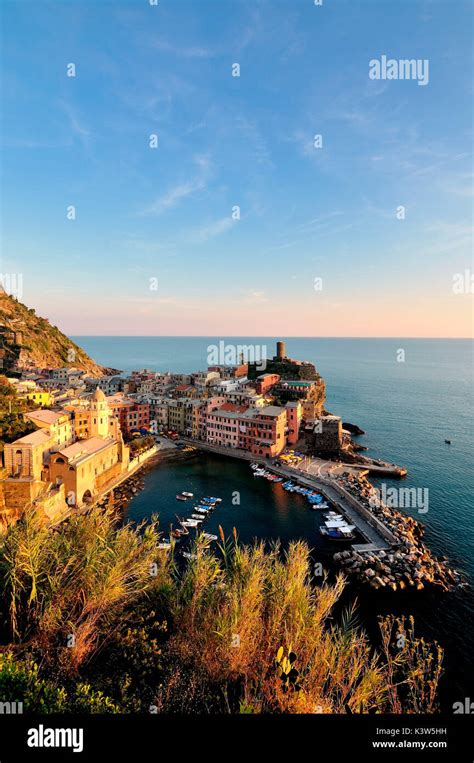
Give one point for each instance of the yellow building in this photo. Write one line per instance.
(177, 415)
(40, 397)
(87, 466)
(94, 418)
(24, 458)
(50, 459)
(57, 423)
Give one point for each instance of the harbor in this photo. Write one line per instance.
(382, 548)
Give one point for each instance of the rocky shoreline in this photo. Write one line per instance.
(408, 565)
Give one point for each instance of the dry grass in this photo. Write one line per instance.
(247, 628)
(77, 580)
(233, 615)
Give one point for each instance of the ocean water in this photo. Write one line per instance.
(407, 409)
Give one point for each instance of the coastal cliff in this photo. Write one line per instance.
(27, 340)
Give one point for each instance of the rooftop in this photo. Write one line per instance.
(83, 449)
(47, 417)
(270, 410)
(34, 438)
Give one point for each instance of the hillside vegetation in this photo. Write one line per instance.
(41, 344)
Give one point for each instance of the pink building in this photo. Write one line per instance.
(294, 413)
(261, 431)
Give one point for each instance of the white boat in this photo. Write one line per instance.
(190, 522)
(338, 533)
(336, 523)
(209, 536)
(188, 495)
(333, 515)
(188, 555)
(202, 510)
(197, 517)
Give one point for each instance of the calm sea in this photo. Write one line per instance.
(408, 403)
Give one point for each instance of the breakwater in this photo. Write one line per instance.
(408, 563)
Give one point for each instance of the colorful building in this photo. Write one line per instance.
(40, 397)
(130, 413)
(86, 466)
(261, 431)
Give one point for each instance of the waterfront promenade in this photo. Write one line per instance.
(376, 535)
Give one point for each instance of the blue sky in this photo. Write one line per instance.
(247, 141)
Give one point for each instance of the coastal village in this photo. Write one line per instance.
(90, 435)
(86, 430)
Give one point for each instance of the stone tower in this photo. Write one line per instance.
(99, 424)
(281, 351)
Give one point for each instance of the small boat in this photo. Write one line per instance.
(189, 555)
(209, 536)
(448, 442)
(333, 515)
(338, 533)
(202, 510)
(189, 523)
(336, 522)
(199, 517)
(181, 497)
(187, 495)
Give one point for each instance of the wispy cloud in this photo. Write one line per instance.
(177, 193)
(253, 134)
(78, 128)
(318, 221)
(193, 51)
(210, 231)
(255, 297)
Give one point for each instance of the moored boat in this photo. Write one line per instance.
(209, 536)
(344, 532)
